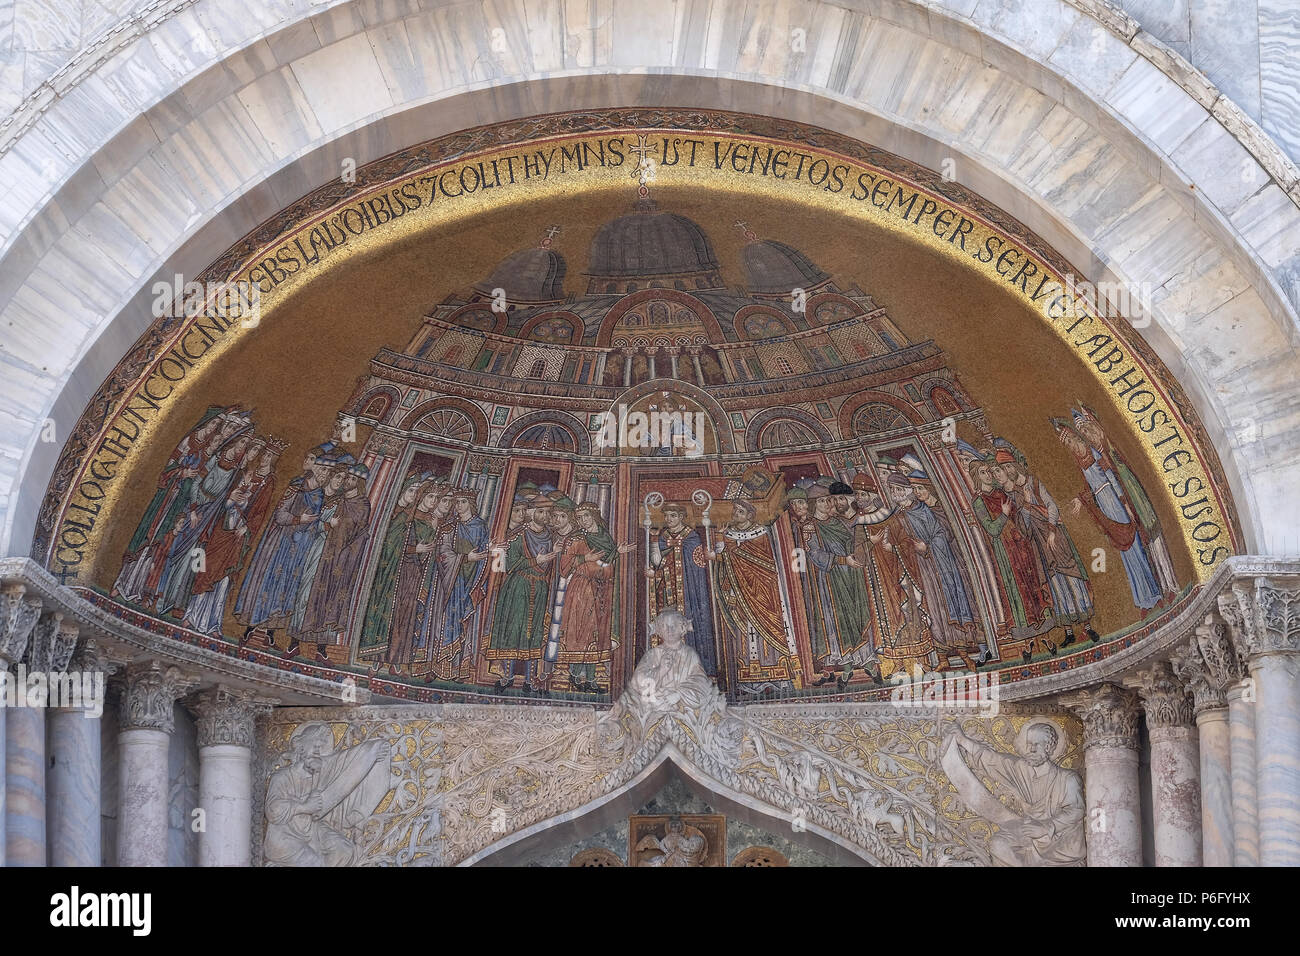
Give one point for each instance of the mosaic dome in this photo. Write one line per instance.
(649, 242)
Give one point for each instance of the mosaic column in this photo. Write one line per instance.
(1270, 627)
(73, 779)
(225, 722)
(152, 688)
(1214, 745)
(1175, 767)
(1110, 766)
(18, 615)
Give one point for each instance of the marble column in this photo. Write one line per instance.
(1175, 767)
(225, 721)
(1110, 766)
(1268, 624)
(19, 613)
(147, 720)
(73, 778)
(1241, 732)
(48, 650)
(1213, 741)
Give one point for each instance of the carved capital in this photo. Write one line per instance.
(50, 647)
(1192, 670)
(1164, 698)
(152, 688)
(1109, 715)
(19, 612)
(94, 657)
(226, 716)
(1263, 616)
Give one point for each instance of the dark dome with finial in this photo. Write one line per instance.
(773, 268)
(528, 276)
(649, 242)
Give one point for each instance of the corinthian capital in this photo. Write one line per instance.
(152, 688)
(226, 716)
(1164, 698)
(1263, 616)
(53, 640)
(1190, 666)
(19, 612)
(1109, 715)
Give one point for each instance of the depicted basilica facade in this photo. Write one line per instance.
(646, 483)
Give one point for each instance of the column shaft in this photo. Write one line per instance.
(25, 787)
(142, 797)
(72, 783)
(1114, 811)
(1216, 787)
(1277, 757)
(1245, 822)
(226, 796)
(1175, 796)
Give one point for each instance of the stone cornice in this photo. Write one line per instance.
(36, 587)
(1271, 587)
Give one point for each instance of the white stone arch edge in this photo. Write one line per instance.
(626, 799)
(987, 33)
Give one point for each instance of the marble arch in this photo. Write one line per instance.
(1229, 266)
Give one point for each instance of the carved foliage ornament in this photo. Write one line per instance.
(18, 615)
(1109, 714)
(151, 690)
(51, 645)
(1165, 699)
(226, 717)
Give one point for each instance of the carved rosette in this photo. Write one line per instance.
(1164, 698)
(1109, 714)
(18, 615)
(152, 688)
(226, 717)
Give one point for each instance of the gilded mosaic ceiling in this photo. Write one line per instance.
(509, 398)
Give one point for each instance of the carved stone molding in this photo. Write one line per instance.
(226, 716)
(19, 612)
(1109, 714)
(152, 688)
(1164, 698)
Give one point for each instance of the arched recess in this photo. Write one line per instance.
(850, 409)
(717, 416)
(1217, 245)
(577, 825)
(701, 311)
(477, 420)
(754, 432)
(581, 437)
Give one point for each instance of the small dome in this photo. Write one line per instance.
(530, 275)
(773, 268)
(650, 243)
